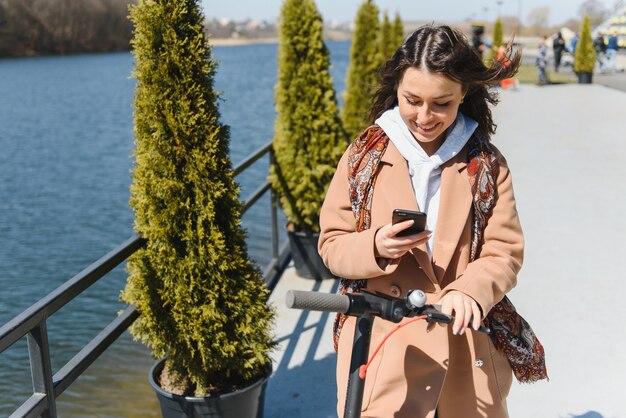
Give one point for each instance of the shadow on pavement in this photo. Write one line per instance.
(590, 414)
(307, 390)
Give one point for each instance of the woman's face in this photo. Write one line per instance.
(429, 103)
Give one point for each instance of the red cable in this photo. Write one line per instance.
(363, 367)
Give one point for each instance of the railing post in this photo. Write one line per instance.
(274, 209)
(41, 368)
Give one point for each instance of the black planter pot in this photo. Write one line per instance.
(244, 403)
(306, 259)
(585, 78)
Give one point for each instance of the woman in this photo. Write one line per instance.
(430, 111)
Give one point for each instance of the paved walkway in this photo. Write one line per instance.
(566, 149)
(613, 80)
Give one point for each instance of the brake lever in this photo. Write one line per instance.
(415, 305)
(433, 314)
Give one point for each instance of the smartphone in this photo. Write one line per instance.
(419, 221)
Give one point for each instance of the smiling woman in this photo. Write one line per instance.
(429, 150)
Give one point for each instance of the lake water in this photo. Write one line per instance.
(66, 139)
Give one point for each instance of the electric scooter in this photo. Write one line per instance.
(366, 306)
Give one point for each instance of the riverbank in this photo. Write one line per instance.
(241, 41)
(328, 36)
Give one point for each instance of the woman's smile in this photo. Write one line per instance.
(427, 129)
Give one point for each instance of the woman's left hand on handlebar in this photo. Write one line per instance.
(463, 308)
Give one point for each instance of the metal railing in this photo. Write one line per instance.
(32, 323)
(280, 255)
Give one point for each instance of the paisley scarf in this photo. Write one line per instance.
(510, 333)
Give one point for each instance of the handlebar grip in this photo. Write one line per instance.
(316, 301)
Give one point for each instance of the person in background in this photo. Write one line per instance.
(478, 43)
(611, 52)
(558, 46)
(502, 56)
(600, 47)
(573, 42)
(432, 122)
(542, 60)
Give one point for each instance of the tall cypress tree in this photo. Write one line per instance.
(398, 31)
(202, 301)
(497, 39)
(308, 135)
(387, 39)
(585, 54)
(362, 71)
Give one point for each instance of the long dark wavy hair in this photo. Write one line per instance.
(446, 51)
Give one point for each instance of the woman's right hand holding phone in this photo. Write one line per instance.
(389, 245)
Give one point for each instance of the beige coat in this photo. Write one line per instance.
(419, 370)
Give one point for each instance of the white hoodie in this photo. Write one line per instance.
(425, 171)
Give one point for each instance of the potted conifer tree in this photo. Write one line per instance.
(585, 54)
(387, 39)
(398, 32)
(202, 303)
(308, 136)
(362, 73)
(497, 39)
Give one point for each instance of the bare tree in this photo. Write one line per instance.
(595, 10)
(510, 26)
(33, 27)
(539, 18)
(573, 24)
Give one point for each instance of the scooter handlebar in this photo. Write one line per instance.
(353, 304)
(316, 301)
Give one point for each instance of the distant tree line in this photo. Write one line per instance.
(247, 29)
(45, 27)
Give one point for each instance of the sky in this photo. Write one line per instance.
(437, 10)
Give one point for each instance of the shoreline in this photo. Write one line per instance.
(241, 41)
(221, 42)
(258, 41)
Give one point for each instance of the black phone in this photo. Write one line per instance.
(419, 221)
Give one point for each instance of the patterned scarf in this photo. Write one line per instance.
(510, 333)
(363, 162)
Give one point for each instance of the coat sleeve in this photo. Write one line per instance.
(488, 278)
(346, 252)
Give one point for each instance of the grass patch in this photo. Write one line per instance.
(527, 74)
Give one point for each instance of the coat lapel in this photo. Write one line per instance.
(402, 197)
(454, 209)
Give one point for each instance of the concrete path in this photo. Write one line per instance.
(566, 146)
(303, 384)
(613, 80)
(566, 149)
